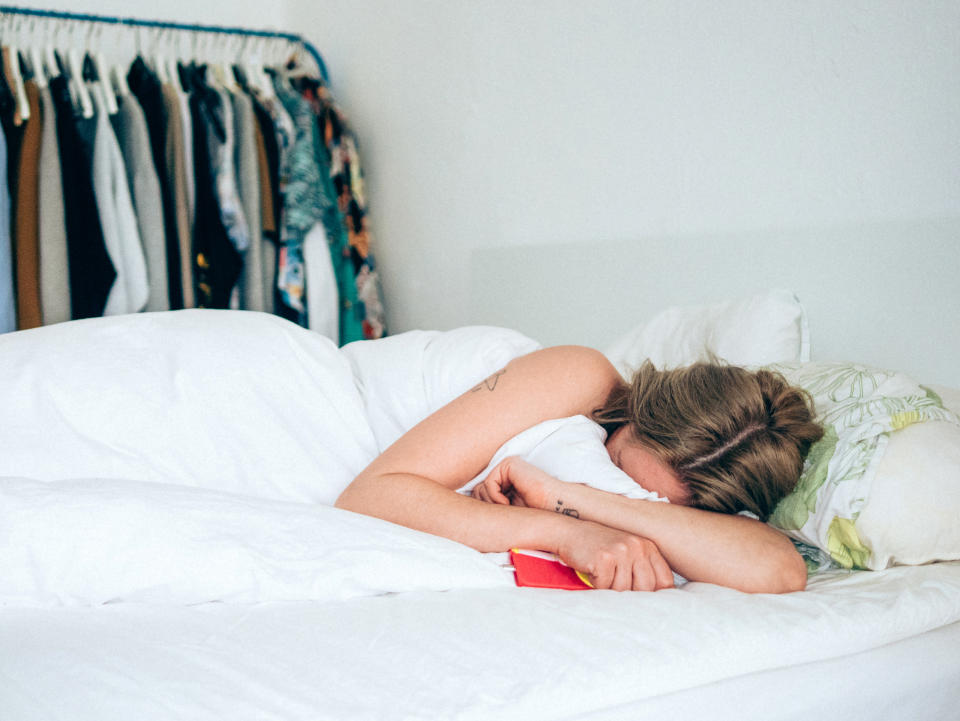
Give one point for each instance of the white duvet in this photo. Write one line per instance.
(195, 456)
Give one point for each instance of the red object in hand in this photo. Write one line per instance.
(544, 570)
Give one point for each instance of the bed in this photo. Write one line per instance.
(166, 556)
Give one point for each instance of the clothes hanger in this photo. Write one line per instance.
(118, 72)
(229, 79)
(79, 88)
(74, 68)
(297, 67)
(36, 59)
(160, 65)
(100, 70)
(15, 79)
(262, 81)
(51, 62)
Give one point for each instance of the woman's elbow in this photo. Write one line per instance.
(784, 572)
(790, 574)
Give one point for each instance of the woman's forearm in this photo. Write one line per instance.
(613, 558)
(733, 551)
(420, 503)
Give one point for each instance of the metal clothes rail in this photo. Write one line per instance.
(162, 24)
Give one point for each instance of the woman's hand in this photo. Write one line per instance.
(615, 559)
(515, 482)
(611, 558)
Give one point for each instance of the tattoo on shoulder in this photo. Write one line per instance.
(572, 512)
(491, 382)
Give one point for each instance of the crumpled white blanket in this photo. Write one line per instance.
(218, 426)
(96, 541)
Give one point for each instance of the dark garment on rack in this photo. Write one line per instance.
(12, 130)
(148, 90)
(91, 271)
(269, 163)
(217, 264)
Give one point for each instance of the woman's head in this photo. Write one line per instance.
(735, 439)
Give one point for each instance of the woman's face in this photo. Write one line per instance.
(644, 467)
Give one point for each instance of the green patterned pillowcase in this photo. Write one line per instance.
(859, 407)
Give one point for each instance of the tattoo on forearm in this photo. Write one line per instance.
(491, 382)
(572, 512)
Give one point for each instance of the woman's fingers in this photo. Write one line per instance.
(622, 577)
(644, 578)
(662, 572)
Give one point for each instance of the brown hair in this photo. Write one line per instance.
(735, 438)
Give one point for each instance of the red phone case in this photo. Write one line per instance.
(539, 572)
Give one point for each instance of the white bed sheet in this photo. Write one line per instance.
(917, 679)
(481, 654)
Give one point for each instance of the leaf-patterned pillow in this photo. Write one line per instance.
(859, 407)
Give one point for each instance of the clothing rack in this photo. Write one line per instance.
(243, 183)
(165, 25)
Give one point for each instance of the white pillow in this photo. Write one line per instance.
(571, 450)
(766, 328)
(913, 511)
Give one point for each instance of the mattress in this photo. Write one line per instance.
(854, 645)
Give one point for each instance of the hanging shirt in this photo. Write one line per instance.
(8, 307)
(323, 300)
(303, 199)
(248, 179)
(27, 220)
(223, 165)
(91, 271)
(130, 289)
(217, 264)
(178, 167)
(145, 189)
(146, 87)
(267, 165)
(362, 314)
(52, 230)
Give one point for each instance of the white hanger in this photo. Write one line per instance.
(36, 59)
(75, 62)
(119, 73)
(261, 80)
(94, 45)
(159, 60)
(229, 79)
(19, 93)
(36, 64)
(109, 97)
(49, 53)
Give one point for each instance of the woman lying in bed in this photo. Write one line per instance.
(713, 439)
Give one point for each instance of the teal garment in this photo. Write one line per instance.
(310, 197)
(303, 202)
(351, 309)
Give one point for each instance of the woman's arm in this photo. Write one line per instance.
(413, 482)
(732, 551)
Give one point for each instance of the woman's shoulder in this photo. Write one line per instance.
(582, 374)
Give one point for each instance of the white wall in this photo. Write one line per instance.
(674, 146)
(570, 168)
